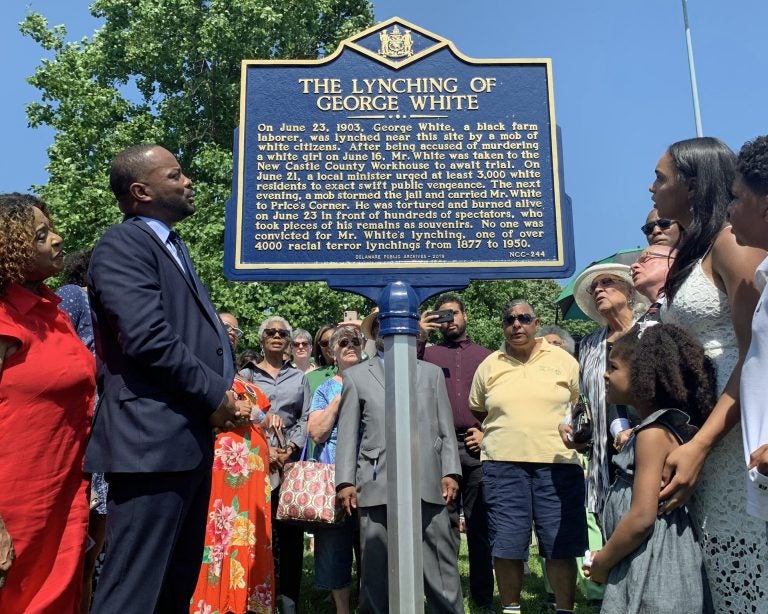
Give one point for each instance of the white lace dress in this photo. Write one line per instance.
(734, 543)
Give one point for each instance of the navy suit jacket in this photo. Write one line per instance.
(164, 358)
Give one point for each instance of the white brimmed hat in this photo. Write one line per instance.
(367, 324)
(584, 282)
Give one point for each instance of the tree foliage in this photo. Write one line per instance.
(168, 71)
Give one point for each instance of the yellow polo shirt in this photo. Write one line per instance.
(524, 403)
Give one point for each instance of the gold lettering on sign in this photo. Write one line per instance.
(390, 190)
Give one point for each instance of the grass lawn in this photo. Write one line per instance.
(534, 598)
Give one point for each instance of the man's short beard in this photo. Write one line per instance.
(452, 335)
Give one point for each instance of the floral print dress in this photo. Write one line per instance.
(237, 573)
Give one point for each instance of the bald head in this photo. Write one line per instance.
(128, 166)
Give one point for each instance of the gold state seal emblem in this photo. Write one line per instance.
(396, 44)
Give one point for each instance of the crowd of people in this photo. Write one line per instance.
(166, 463)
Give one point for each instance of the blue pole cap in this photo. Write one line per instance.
(399, 310)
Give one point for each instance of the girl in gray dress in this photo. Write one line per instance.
(653, 563)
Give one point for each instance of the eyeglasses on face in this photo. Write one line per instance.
(662, 223)
(324, 343)
(346, 341)
(301, 344)
(232, 329)
(604, 282)
(271, 332)
(650, 256)
(523, 318)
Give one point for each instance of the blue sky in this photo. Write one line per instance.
(622, 88)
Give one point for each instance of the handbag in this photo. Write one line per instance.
(581, 421)
(308, 492)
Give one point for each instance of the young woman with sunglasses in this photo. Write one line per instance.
(710, 291)
(288, 392)
(334, 545)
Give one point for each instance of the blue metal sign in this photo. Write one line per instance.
(397, 159)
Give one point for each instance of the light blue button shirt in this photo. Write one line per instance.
(163, 233)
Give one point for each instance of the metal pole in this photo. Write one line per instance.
(692, 70)
(399, 327)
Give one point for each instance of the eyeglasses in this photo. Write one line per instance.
(271, 332)
(650, 256)
(523, 318)
(231, 329)
(324, 342)
(301, 344)
(345, 342)
(662, 223)
(605, 282)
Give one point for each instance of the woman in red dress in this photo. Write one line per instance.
(47, 385)
(237, 574)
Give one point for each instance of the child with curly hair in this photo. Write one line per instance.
(653, 563)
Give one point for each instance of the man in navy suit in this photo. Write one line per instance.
(165, 372)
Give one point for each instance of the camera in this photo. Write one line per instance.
(443, 315)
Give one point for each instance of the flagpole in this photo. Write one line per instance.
(692, 70)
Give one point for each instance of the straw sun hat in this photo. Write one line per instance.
(367, 324)
(638, 303)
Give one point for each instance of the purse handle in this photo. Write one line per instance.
(303, 455)
(325, 456)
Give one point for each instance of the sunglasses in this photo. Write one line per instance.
(345, 342)
(662, 223)
(650, 256)
(605, 282)
(271, 332)
(231, 329)
(301, 344)
(523, 318)
(324, 343)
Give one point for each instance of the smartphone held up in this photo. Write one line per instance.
(443, 315)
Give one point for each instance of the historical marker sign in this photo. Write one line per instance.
(397, 158)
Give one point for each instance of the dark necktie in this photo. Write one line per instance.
(202, 294)
(181, 251)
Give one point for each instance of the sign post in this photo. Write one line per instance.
(397, 168)
(399, 317)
